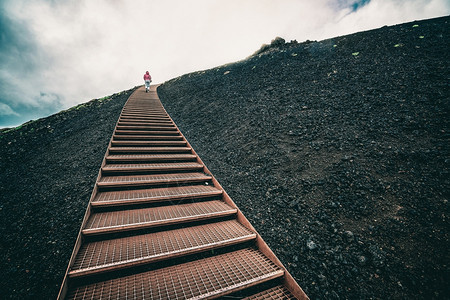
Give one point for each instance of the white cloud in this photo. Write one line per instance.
(378, 13)
(5, 110)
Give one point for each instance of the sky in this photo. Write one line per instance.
(55, 54)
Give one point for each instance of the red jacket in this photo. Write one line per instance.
(147, 76)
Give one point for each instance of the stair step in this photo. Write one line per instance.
(140, 114)
(143, 114)
(147, 137)
(140, 132)
(155, 167)
(145, 119)
(145, 110)
(149, 149)
(116, 198)
(164, 119)
(118, 221)
(150, 157)
(147, 128)
(278, 292)
(205, 278)
(137, 180)
(159, 119)
(115, 254)
(147, 143)
(147, 122)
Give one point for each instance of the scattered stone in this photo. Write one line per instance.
(362, 260)
(311, 245)
(349, 235)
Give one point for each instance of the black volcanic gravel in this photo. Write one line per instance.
(48, 170)
(337, 152)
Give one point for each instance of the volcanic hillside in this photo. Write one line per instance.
(337, 152)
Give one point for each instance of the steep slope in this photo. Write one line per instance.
(338, 152)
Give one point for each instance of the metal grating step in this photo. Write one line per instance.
(152, 123)
(140, 132)
(144, 118)
(115, 221)
(149, 149)
(144, 115)
(278, 292)
(147, 137)
(143, 107)
(151, 157)
(109, 255)
(144, 128)
(206, 278)
(154, 195)
(145, 121)
(133, 180)
(148, 143)
(156, 167)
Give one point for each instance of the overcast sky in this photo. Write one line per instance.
(55, 54)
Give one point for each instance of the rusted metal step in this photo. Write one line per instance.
(205, 278)
(147, 137)
(143, 108)
(158, 124)
(154, 123)
(142, 104)
(155, 179)
(153, 119)
(151, 167)
(116, 254)
(278, 292)
(146, 128)
(147, 143)
(131, 197)
(150, 132)
(150, 158)
(119, 221)
(144, 113)
(141, 115)
(179, 149)
(145, 119)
